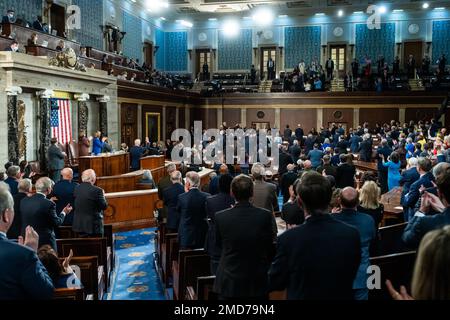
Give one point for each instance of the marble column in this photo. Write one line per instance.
(83, 113)
(44, 124)
(13, 132)
(103, 114)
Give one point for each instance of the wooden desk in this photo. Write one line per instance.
(131, 210)
(106, 165)
(152, 162)
(366, 166)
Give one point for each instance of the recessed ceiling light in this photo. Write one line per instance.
(439, 8)
(382, 9)
(212, 19)
(397, 10)
(263, 17)
(358, 12)
(282, 16)
(320, 14)
(426, 5)
(340, 13)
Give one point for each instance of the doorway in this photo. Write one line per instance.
(266, 53)
(338, 54)
(203, 55)
(148, 54)
(261, 125)
(58, 20)
(413, 48)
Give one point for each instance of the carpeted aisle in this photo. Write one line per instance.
(135, 277)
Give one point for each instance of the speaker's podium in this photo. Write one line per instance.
(107, 164)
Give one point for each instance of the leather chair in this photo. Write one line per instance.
(73, 153)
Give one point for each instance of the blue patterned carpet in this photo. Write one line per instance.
(135, 277)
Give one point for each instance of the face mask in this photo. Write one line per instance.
(11, 15)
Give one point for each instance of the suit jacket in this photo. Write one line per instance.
(244, 233)
(299, 133)
(170, 196)
(40, 213)
(345, 176)
(408, 178)
(16, 228)
(89, 205)
(317, 260)
(214, 204)
(38, 26)
(287, 133)
(136, 154)
(192, 212)
(287, 180)
(265, 196)
(366, 227)
(365, 151)
(22, 275)
(13, 185)
(64, 191)
(295, 152)
(418, 227)
(413, 196)
(284, 160)
(55, 158)
(386, 151)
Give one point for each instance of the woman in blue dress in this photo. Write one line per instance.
(393, 164)
(97, 145)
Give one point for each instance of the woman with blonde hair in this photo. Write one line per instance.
(431, 278)
(369, 202)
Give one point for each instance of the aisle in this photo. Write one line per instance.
(135, 276)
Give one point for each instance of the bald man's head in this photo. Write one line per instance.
(349, 198)
(223, 169)
(67, 174)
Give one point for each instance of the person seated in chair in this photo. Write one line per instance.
(147, 179)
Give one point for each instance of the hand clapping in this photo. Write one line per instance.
(31, 239)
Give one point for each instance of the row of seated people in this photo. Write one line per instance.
(34, 217)
(217, 263)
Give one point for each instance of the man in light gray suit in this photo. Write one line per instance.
(55, 160)
(264, 193)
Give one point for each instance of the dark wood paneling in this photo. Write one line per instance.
(152, 109)
(306, 117)
(211, 118)
(378, 115)
(182, 118)
(232, 117)
(269, 116)
(330, 116)
(417, 114)
(129, 125)
(171, 119)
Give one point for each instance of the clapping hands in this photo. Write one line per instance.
(31, 239)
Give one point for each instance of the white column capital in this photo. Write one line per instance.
(81, 96)
(104, 99)
(45, 94)
(13, 91)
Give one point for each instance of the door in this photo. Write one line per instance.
(267, 53)
(413, 48)
(338, 54)
(260, 125)
(148, 55)
(203, 55)
(58, 20)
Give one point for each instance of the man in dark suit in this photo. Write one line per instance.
(191, 210)
(221, 201)
(295, 151)
(270, 69)
(319, 259)
(170, 198)
(409, 176)
(366, 227)
(89, 205)
(421, 223)
(309, 143)
(426, 180)
(64, 193)
(55, 158)
(10, 17)
(284, 159)
(136, 153)
(37, 25)
(25, 188)
(214, 183)
(299, 133)
(287, 133)
(383, 153)
(345, 173)
(22, 275)
(265, 194)
(365, 149)
(13, 47)
(330, 68)
(245, 236)
(287, 180)
(13, 179)
(163, 184)
(40, 213)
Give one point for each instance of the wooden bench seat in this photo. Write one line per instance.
(204, 289)
(190, 265)
(390, 240)
(74, 294)
(169, 254)
(396, 267)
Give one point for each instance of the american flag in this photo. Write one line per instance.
(60, 120)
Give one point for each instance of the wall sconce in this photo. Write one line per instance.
(324, 49)
(214, 52)
(190, 54)
(281, 50)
